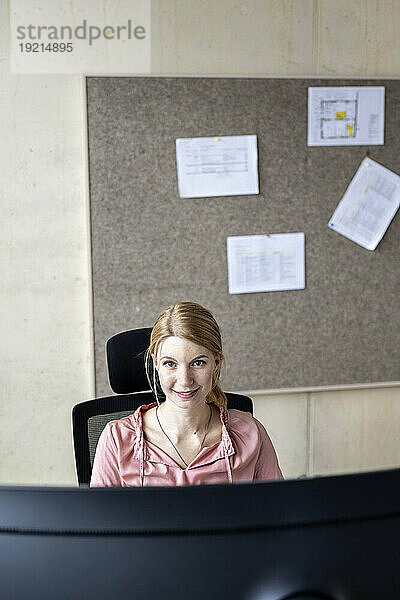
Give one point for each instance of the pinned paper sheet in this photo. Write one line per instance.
(368, 206)
(217, 166)
(343, 116)
(266, 263)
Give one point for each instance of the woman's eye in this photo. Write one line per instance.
(199, 363)
(168, 363)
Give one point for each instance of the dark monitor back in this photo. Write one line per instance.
(336, 536)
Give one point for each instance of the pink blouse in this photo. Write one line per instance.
(124, 458)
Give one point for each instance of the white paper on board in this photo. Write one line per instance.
(266, 263)
(368, 206)
(346, 116)
(217, 166)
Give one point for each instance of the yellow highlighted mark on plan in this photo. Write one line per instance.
(350, 130)
(341, 115)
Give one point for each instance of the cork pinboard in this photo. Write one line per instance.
(151, 248)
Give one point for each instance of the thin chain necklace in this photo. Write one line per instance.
(172, 443)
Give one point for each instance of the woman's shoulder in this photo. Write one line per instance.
(129, 425)
(239, 415)
(127, 422)
(240, 419)
(117, 430)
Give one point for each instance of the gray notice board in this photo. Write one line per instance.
(151, 248)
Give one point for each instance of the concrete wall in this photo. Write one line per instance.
(332, 432)
(46, 352)
(45, 365)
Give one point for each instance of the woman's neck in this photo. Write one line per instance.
(184, 422)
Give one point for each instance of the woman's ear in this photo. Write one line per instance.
(217, 363)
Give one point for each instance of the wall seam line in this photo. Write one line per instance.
(309, 436)
(315, 37)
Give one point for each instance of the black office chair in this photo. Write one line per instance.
(127, 376)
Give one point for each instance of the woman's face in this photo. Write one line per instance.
(185, 370)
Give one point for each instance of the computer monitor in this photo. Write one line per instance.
(331, 537)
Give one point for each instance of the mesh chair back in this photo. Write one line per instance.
(95, 427)
(88, 421)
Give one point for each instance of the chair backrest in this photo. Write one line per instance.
(125, 360)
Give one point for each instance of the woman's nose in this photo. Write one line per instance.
(185, 376)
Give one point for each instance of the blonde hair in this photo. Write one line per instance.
(192, 322)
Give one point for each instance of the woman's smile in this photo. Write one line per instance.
(186, 394)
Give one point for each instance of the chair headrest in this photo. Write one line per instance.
(125, 360)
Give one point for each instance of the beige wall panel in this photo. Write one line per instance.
(355, 430)
(357, 38)
(285, 418)
(242, 37)
(45, 362)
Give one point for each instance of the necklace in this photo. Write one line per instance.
(172, 443)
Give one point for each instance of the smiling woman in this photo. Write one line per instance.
(187, 436)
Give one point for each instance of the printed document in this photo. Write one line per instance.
(266, 263)
(346, 116)
(217, 166)
(368, 206)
